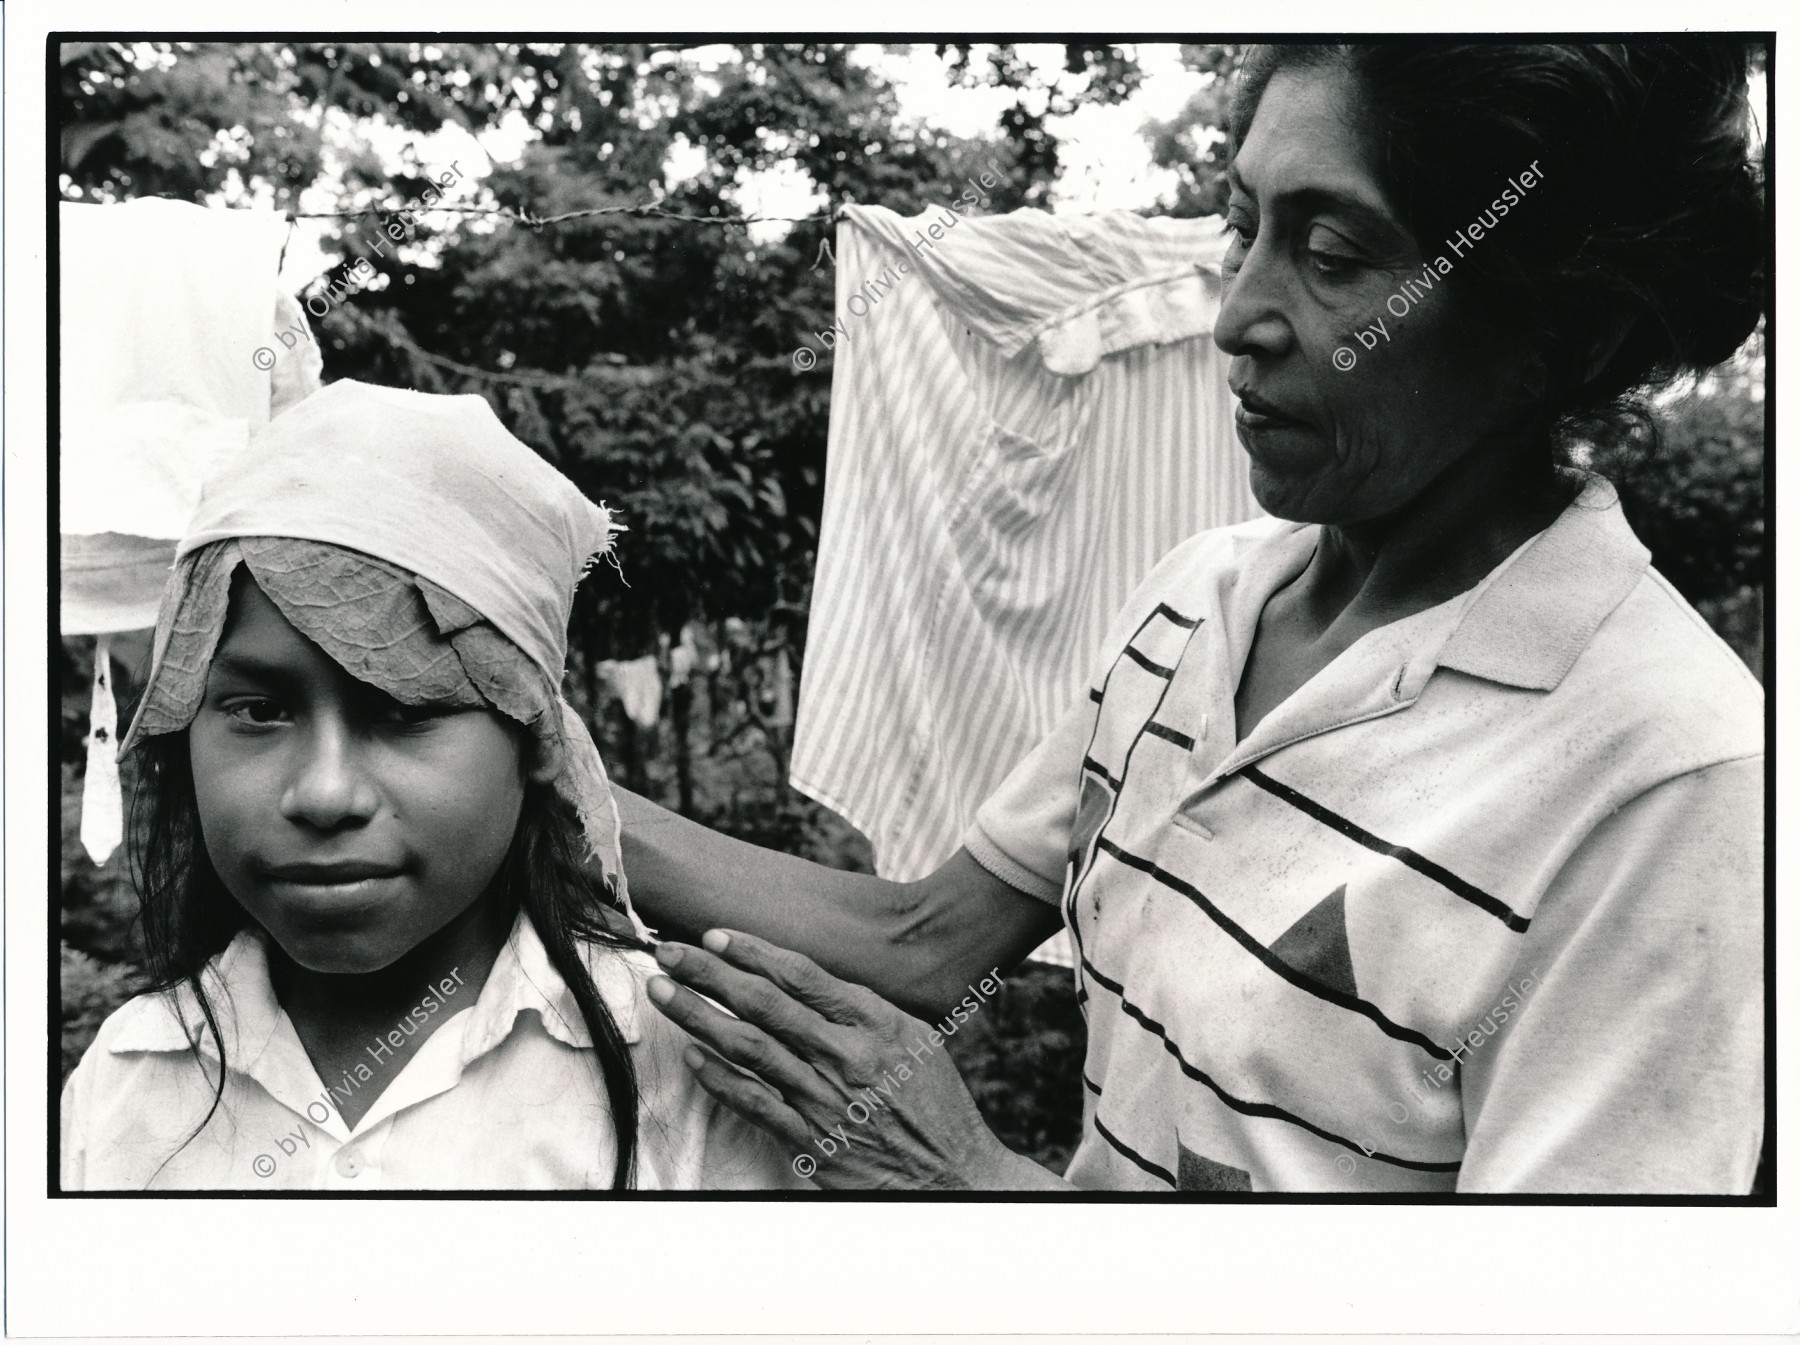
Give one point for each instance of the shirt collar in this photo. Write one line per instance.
(1528, 626)
(522, 980)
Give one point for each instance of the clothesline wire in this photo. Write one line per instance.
(543, 380)
(642, 211)
(526, 217)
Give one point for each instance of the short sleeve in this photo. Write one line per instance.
(1635, 1064)
(1021, 834)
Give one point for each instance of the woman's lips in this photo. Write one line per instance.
(1254, 413)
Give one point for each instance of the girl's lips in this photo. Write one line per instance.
(335, 874)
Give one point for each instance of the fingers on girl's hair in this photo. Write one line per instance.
(797, 974)
(742, 985)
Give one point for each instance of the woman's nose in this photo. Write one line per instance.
(329, 786)
(1251, 318)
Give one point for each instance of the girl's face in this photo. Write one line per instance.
(1357, 385)
(349, 826)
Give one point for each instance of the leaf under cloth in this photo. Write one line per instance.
(366, 614)
(200, 588)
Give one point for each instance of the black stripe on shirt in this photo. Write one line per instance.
(1095, 694)
(1077, 877)
(1239, 1105)
(1161, 1173)
(1089, 764)
(1417, 862)
(1169, 735)
(1289, 974)
(1092, 1087)
(1147, 664)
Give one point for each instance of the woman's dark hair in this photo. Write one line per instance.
(188, 916)
(1648, 219)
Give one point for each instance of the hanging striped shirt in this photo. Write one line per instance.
(1027, 412)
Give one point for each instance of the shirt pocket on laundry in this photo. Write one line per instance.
(1010, 528)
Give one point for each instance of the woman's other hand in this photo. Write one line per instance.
(863, 1096)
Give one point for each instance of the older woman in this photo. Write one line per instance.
(1410, 839)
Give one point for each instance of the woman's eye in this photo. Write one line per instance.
(1328, 258)
(1332, 265)
(1242, 235)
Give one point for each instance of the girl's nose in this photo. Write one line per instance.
(329, 786)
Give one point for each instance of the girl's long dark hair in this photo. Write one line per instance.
(189, 917)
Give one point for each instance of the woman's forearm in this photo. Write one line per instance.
(917, 945)
(688, 876)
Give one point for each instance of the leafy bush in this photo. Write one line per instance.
(90, 991)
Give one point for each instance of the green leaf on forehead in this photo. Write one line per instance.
(498, 667)
(367, 615)
(185, 648)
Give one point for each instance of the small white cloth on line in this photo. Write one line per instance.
(638, 686)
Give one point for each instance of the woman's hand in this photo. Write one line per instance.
(862, 1095)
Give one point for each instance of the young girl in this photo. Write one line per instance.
(365, 827)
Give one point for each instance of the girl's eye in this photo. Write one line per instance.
(255, 711)
(414, 716)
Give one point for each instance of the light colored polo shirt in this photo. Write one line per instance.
(1478, 908)
(503, 1096)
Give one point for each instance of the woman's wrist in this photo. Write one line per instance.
(1004, 1170)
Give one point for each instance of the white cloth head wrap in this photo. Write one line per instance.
(435, 487)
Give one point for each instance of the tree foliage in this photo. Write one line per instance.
(648, 359)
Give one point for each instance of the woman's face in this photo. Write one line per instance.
(1351, 400)
(349, 826)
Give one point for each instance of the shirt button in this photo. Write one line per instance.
(349, 1162)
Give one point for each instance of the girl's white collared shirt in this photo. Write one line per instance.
(504, 1096)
